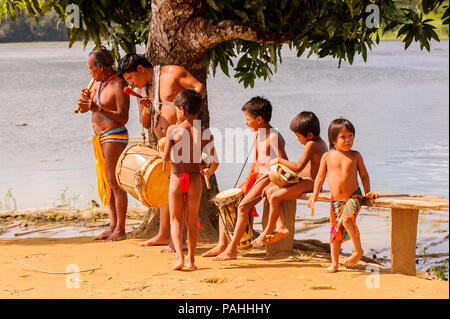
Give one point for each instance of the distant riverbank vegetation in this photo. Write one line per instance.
(25, 29)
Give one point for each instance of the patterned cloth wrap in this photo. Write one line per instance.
(338, 210)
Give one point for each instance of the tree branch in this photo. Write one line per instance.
(210, 33)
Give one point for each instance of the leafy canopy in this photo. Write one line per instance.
(334, 28)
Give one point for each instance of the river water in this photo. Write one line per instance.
(398, 102)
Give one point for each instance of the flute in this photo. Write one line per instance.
(91, 83)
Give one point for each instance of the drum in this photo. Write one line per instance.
(228, 202)
(141, 172)
(282, 176)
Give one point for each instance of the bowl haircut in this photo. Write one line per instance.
(335, 128)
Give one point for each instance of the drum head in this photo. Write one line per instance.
(229, 194)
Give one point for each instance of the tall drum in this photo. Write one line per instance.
(141, 172)
(228, 202)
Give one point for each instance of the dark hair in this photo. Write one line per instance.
(304, 123)
(102, 57)
(335, 127)
(131, 61)
(189, 100)
(259, 106)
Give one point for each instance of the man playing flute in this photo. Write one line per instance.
(109, 106)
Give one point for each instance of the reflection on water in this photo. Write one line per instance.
(398, 102)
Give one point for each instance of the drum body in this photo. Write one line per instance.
(141, 172)
(282, 176)
(228, 202)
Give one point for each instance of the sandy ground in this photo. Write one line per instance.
(130, 271)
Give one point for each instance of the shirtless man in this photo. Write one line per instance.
(173, 79)
(109, 107)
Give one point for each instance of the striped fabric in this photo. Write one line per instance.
(339, 209)
(118, 135)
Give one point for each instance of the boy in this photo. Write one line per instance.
(185, 188)
(342, 166)
(269, 144)
(158, 84)
(306, 127)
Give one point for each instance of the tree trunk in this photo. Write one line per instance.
(173, 30)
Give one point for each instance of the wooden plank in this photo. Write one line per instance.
(395, 200)
(403, 241)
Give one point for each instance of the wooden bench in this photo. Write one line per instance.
(404, 216)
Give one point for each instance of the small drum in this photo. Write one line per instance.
(141, 172)
(228, 202)
(282, 176)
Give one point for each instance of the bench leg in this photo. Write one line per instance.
(286, 245)
(403, 241)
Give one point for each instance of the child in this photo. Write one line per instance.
(342, 165)
(185, 188)
(268, 144)
(306, 127)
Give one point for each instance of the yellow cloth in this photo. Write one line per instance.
(104, 190)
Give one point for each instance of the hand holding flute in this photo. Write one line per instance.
(84, 98)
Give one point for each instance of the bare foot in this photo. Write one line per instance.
(225, 255)
(190, 265)
(260, 241)
(117, 235)
(332, 268)
(351, 261)
(277, 235)
(155, 241)
(179, 264)
(105, 234)
(170, 249)
(167, 249)
(214, 251)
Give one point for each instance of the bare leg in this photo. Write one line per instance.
(276, 229)
(262, 240)
(176, 208)
(251, 199)
(119, 201)
(335, 249)
(221, 245)
(358, 252)
(163, 236)
(193, 203)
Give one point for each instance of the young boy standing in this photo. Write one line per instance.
(184, 147)
(269, 144)
(306, 127)
(342, 165)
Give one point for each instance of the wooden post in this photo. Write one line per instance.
(403, 240)
(285, 246)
